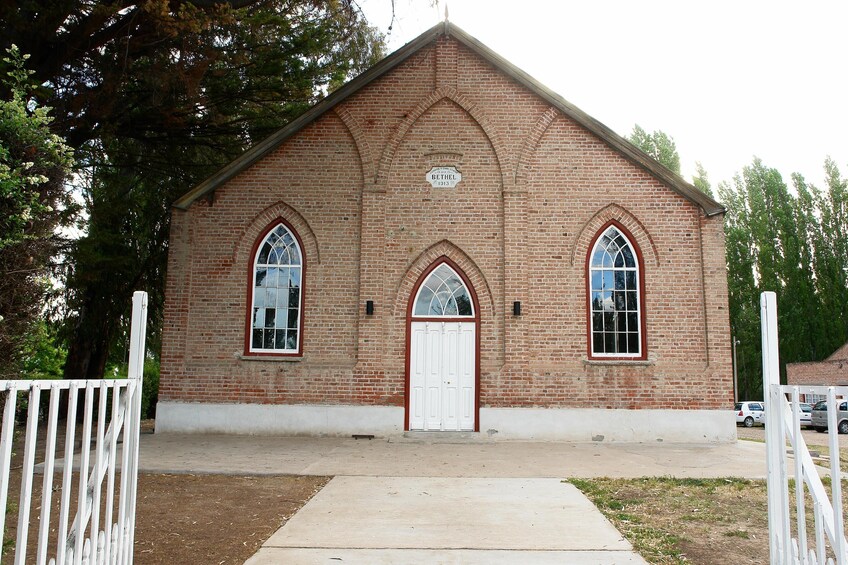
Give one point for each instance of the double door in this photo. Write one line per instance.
(442, 375)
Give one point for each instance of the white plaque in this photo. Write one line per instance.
(444, 177)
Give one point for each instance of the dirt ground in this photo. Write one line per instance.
(213, 519)
(209, 519)
(219, 519)
(812, 437)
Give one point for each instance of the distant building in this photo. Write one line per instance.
(833, 371)
(444, 244)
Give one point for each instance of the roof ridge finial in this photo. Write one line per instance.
(446, 12)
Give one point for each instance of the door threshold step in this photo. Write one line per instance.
(441, 437)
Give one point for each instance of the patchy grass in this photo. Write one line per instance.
(675, 521)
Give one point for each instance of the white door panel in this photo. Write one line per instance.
(442, 375)
(416, 377)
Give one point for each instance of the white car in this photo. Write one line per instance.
(806, 415)
(750, 413)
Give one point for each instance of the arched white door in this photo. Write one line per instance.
(442, 354)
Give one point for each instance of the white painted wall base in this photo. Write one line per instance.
(577, 425)
(599, 425)
(280, 419)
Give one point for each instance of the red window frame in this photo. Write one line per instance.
(250, 276)
(643, 341)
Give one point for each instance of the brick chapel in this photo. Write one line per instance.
(445, 245)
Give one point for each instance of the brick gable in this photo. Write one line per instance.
(536, 186)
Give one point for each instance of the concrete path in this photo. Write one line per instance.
(397, 457)
(447, 520)
(440, 500)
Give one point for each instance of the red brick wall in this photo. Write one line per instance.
(536, 188)
(825, 373)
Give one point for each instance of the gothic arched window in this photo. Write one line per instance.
(277, 298)
(615, 296)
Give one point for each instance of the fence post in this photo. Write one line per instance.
(138, 339)
(774, 445)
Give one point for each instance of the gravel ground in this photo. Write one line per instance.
(812, 437)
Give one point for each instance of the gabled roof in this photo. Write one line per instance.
(612, 139)
(840, 354)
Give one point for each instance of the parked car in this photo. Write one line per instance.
(819, 416)
(750, 413)
(806, 414)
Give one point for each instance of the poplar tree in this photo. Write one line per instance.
(658, 145)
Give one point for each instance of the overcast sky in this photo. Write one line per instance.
(728, 80)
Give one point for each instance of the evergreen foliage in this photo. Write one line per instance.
(155, 96)
(34, 202)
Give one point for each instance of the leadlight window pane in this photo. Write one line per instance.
(614, 296)
(450, 308)
(463, 305)
(607, 279)
(258, 317)
(276, 297)
(619, 280)
(443, 294)
(598, 342)
(596, 280)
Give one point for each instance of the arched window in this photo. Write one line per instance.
(443, 294)
(615, 301)
(277, 300)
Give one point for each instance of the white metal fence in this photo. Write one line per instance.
(102, 530)
(788, 543)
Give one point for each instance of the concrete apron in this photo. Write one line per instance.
(376, 520)
(268, 455)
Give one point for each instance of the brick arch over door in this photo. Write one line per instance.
(491, 322)
(442, 93)
(420, 264)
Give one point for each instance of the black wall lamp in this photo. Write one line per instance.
(369, 307)
(516, 308)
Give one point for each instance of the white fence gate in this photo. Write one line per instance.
(102, 531)
(788, 542)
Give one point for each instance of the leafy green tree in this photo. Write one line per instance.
(658, 145)
(34, 202)
(155, 96)
(831, 256)
(701, 181)
(791, 243)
